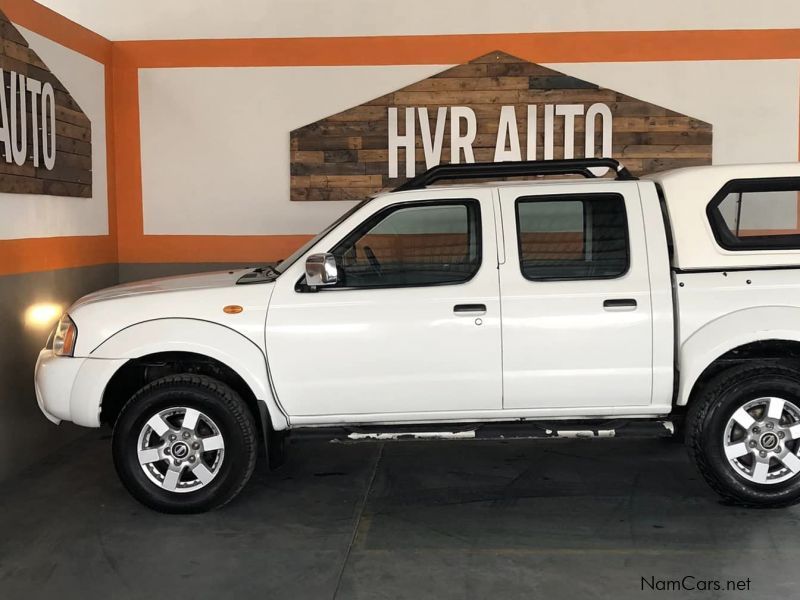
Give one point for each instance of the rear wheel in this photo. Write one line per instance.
(184, 443)
(744, 434)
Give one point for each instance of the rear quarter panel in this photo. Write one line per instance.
(722, 310)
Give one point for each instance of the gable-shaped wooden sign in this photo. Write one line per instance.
(45, 137)
(494, 108)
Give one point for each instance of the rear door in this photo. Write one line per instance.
(575, 295)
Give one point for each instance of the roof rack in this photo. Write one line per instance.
(523, 168)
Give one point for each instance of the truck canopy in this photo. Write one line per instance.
(733, 216)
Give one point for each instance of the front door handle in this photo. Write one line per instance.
(619, 304)
(469, 309)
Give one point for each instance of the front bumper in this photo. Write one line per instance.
(71, 389)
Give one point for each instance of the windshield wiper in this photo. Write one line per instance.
(265, 268)
(259, 275)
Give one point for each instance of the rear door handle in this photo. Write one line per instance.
(619, 304)
(469, 309)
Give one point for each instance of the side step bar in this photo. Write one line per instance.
(629, 428)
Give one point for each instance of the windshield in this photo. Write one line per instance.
(288, 262)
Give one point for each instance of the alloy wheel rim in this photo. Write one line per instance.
(762, 440)
(180, 449)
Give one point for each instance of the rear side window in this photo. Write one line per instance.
(757, 214)
(572, 236)
(414, 244)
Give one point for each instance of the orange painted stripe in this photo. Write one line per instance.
(49, 254)
(58, 28)
(135, 247)
(605, 46)
(214, 248)
(128, 162)
(111, 159)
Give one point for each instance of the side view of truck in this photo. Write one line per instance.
(530, 299)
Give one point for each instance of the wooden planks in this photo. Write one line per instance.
(346, 156)
(71, 174)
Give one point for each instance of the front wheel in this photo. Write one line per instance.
(184, 444)
(743, 432)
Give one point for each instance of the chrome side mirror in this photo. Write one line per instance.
(321, 270)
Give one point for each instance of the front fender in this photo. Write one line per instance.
(730, 331)
(199, 337)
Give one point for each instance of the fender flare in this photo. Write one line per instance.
(206, 338)
(731, 331)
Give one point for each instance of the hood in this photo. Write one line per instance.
(198, 281)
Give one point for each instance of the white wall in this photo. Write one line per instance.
(198, 19)
(215, 142)
(35, 215)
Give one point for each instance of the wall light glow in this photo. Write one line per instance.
(42, 314)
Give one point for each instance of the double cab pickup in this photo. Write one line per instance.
(476, 301)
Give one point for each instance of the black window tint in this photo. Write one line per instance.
(426, 243)
(572, 237)
(757, 214)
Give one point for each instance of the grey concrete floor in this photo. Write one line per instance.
(552, 519)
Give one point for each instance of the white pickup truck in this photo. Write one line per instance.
(570, 306)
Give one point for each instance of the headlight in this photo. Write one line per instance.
(65, 337)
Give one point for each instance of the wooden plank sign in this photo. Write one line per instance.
(45, 137)
(494, 108)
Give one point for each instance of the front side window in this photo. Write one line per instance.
(756, 214)
(425, 243)
(572, 236)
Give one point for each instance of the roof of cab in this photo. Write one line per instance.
(566, 181)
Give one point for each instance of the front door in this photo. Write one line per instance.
(577, 322)
(412, 329)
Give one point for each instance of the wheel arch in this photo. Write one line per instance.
(762, 333)
(206, 347)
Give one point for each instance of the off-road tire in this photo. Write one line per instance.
(708, 416)
(211, 397)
